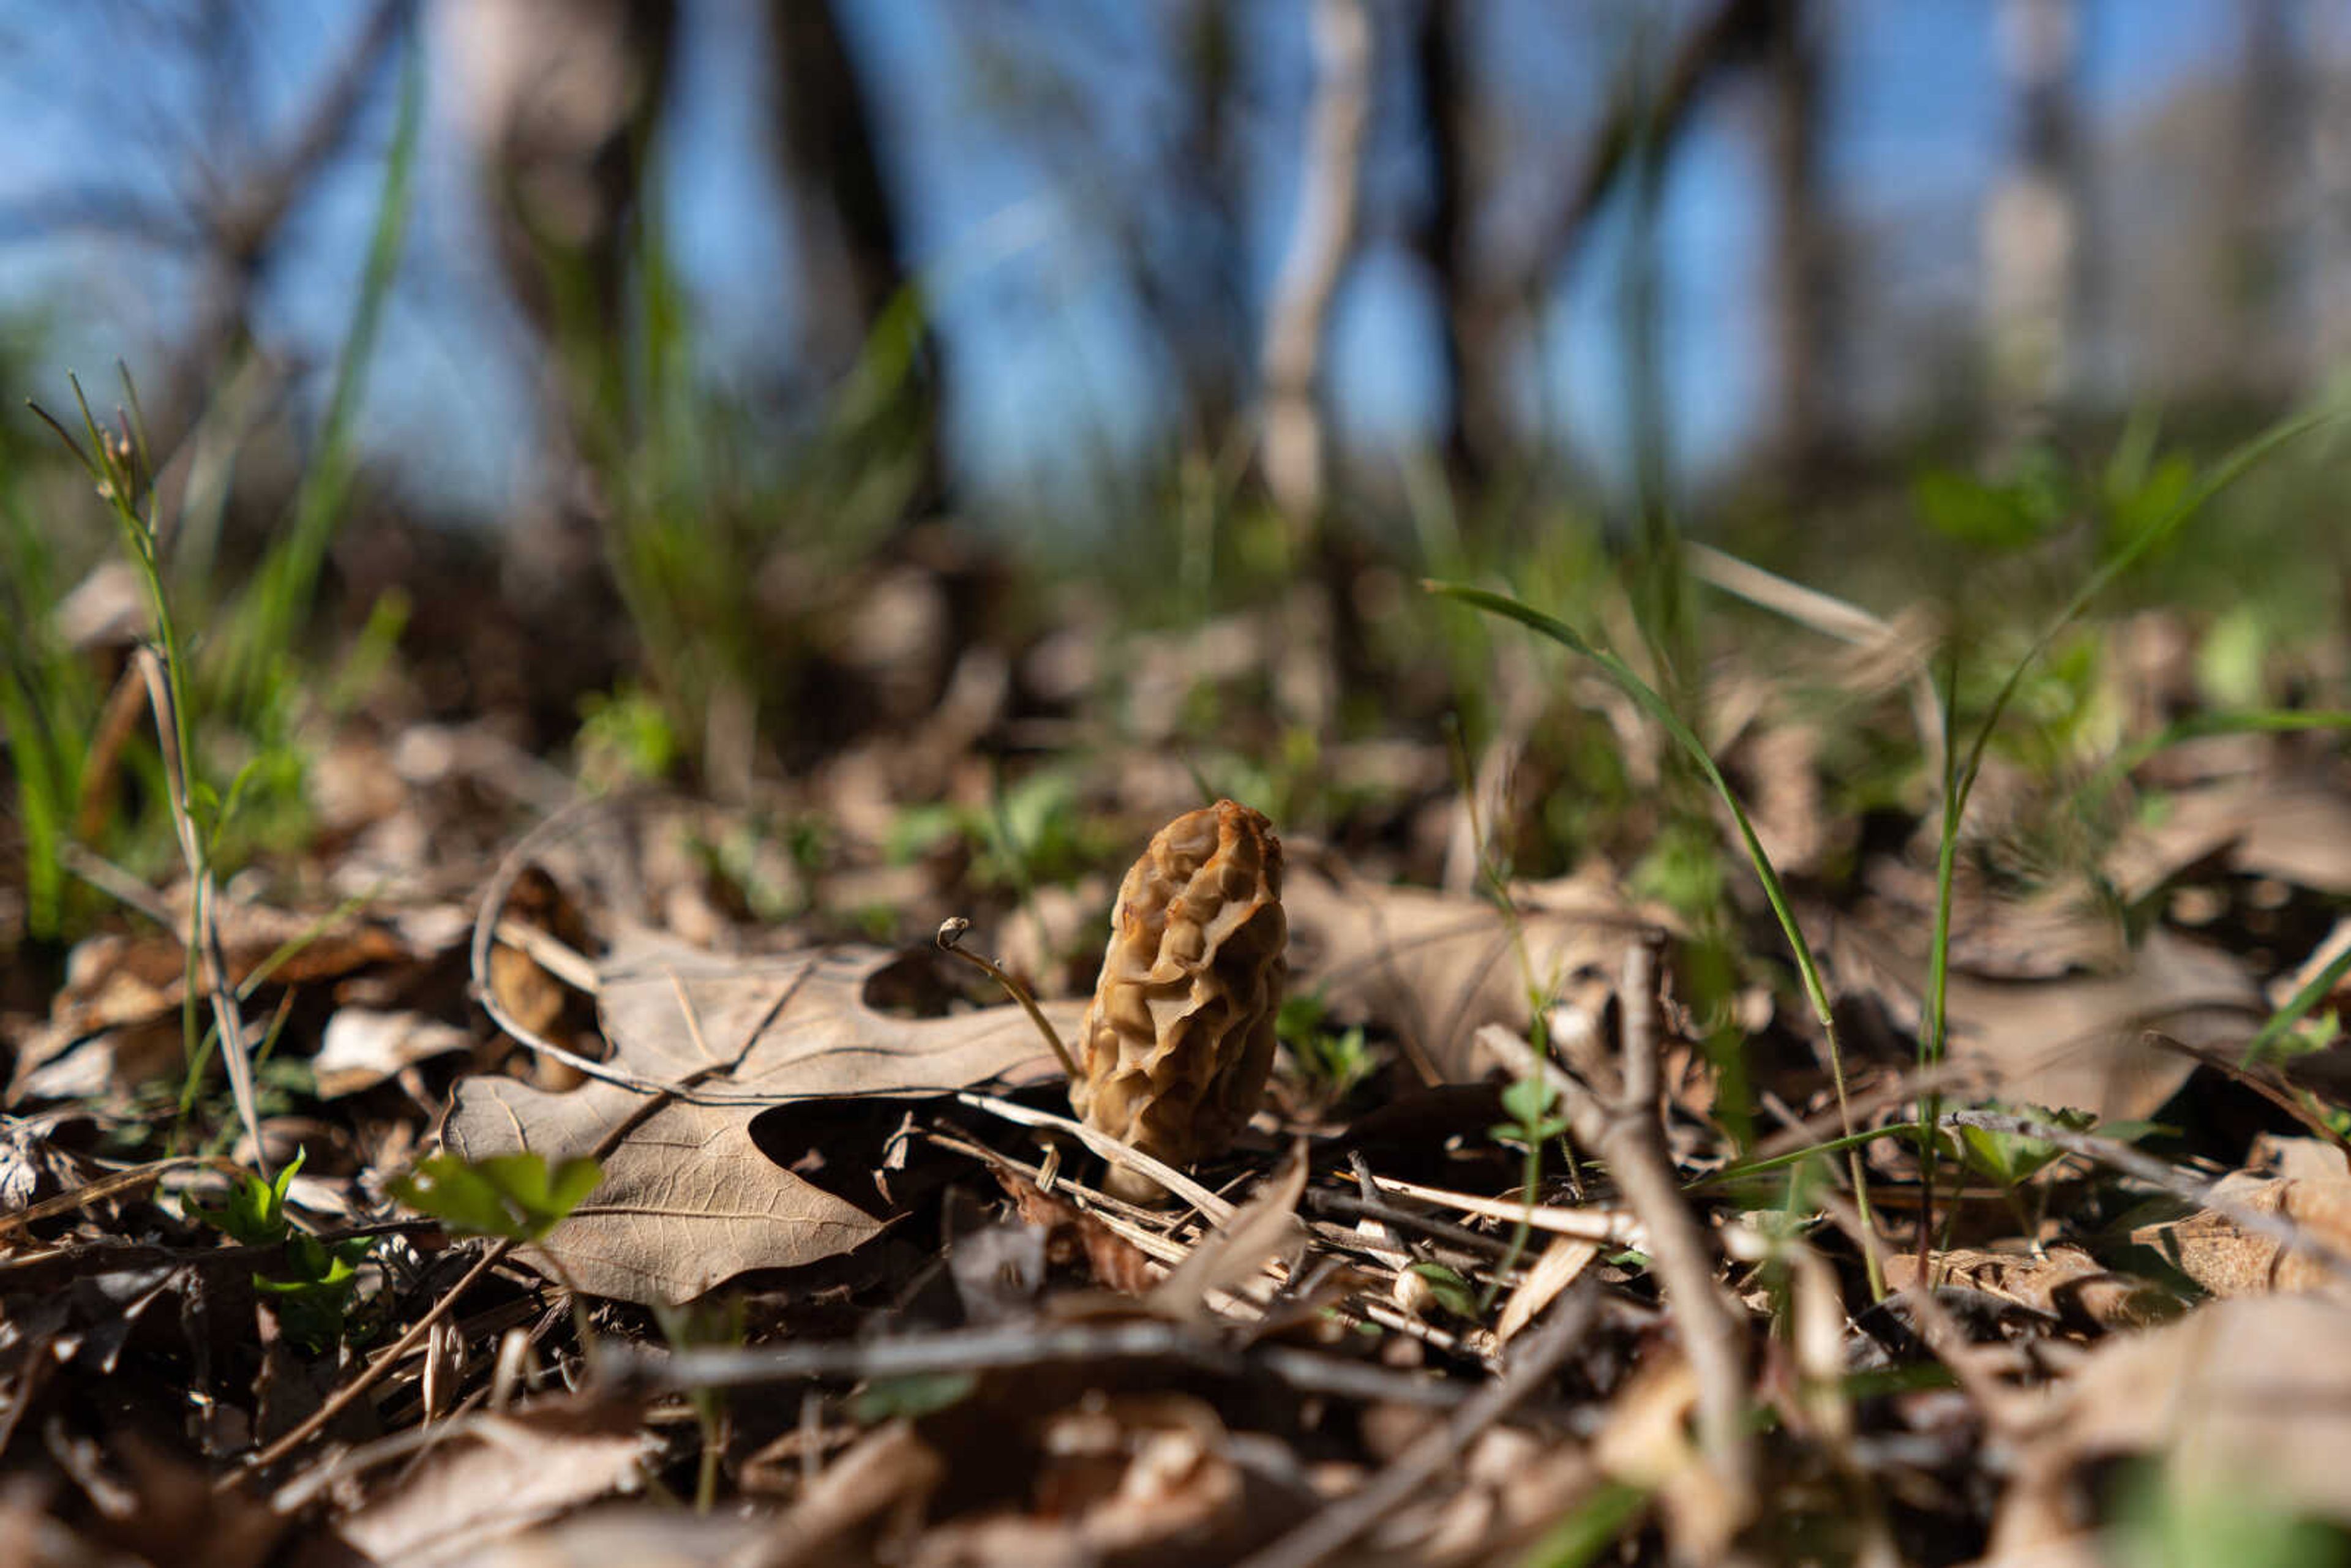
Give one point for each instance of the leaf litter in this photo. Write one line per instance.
(851, 1284)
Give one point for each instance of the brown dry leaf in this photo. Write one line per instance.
(500, 1475)
(2077, 1040)
(2251, 1395)
(688, 1199)
(1562, 1262)
(1438, 967)
(639, 1534)
(2295, 828)
(534, 997)
(877, 1488)
(2224, 1258)
(1115, 1263)
(116, 1020)
(2065, 1283)
(362, 1047)
(1138, 1479)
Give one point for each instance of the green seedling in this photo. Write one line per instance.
(1449, 1289)
(311, 1294)
(2011, 1161)
(1334, 1061)
(517, 1197)
(698, 1324)
(1533, 1106)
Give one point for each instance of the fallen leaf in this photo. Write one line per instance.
(2295, 828)
(2227, 1259)
(500, 1475)
(363, 1047)
(2077, 1040)
(2064, 1283)
(2251, 1395)
(1438, 967)
(688, 1199)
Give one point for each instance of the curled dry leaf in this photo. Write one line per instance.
(497, 1475)
(1178, 1042)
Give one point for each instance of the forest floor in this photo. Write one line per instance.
(601, 1170)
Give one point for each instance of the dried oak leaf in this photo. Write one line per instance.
(1438, 967)
(1178, 1042)
(689, 1199)
(2227, 1260)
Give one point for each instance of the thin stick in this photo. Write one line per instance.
(1331, 1529)
(1116, 1150)
(637, 1374)
(203, 926)
(342, 1398)
(951, 931)
(1630, 1135)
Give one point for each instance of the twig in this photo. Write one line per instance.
(951, 931)
(1614, 1225)
(1322, 1200)
(1629, 1134)
(638, 1373)
(1115, 1150)
(204, 926)
(114, 1184)
(344, 1397)
(1538, 1358)
(42, 1271)
(1831, 617)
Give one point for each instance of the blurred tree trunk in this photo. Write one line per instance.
(1207, 324)
(2330, 122)
(2032, 222)
(558, 100)
(1297, 437)
(2267, 165)
(852, 252)
(1805, 287)
(1478, 324)
(849, 264)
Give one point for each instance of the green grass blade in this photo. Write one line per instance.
(1961, 778)
(2321, 986)
(1658, 708)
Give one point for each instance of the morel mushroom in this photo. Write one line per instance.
(1176, 1046)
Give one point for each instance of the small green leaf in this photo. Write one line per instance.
(1988, 517)
(1530, 1100)
(255, 1213)
(916, 1394)
(1452, 1292)
(517, 1197)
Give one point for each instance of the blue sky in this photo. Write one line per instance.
(1052, 361)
